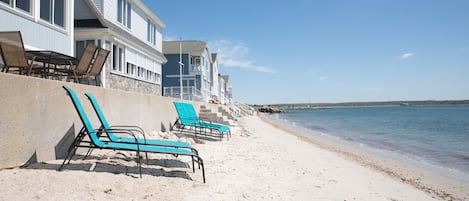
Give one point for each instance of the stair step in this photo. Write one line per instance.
(221, 116)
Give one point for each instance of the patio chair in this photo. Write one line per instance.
(14, 57)
(188, 117)
(94, 141)
(97, 66)
(114, 138)
(83, 66)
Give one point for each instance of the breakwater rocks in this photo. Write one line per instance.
(269, 110)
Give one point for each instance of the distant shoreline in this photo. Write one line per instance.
(366, 104)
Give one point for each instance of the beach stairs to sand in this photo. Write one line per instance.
(223, 117)
(241, 109)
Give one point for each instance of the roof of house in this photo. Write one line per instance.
(149, 13)
(193, 47)
(88, 23)
(214, 56)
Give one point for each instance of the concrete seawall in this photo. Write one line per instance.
(38, 120)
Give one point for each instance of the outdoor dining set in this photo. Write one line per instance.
(51, 64)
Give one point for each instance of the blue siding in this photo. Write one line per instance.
(172, 68)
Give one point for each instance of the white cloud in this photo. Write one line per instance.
(407, 55)
(323, 77)
(234, 53)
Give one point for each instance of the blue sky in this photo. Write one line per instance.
(297, 51)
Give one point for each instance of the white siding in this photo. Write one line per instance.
(83, 11)
(141, 61)
(100, 3)
(158, 68)
(133, 51)
(131, 56)
(159, 40)
(150, 64)
(110, 10)
(215, 78)
(139, 24)
(40, 35)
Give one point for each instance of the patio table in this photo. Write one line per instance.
(51, 60)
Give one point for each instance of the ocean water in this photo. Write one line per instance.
(432, 137)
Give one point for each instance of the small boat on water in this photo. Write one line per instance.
(405, 104)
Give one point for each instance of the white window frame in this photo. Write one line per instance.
(133, 68)
(12, 4)
(118, 63)
(151, 32)
(124, 13)
(51, 14)
(130, 69)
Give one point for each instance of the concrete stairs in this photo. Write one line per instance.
(221, 116)
(226, 112)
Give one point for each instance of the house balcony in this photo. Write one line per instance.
(198, 69)
(195, 68)
(188, 93)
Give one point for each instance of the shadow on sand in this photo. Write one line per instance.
(118, 165)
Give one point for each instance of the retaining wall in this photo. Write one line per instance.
(38, 120)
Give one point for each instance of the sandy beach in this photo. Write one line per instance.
(262, 161)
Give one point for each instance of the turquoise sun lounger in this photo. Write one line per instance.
(96, 142)
(188, 117)
(114, 138)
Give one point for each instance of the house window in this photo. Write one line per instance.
(188, 83)
(140, 72)
(80, 46)
(117, 57)
(130, 70)
(151, 32)
(53, 11)
(23, 5)
(124, 12)
(148, 74)
(121, 58)
(157, 78)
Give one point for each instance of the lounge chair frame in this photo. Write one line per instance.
(187, 117)
(95, 142)
(136, 129)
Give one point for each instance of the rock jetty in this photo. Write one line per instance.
(269, 110)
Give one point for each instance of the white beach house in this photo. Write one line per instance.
(133, 34)
(225, 89)
(129, 29)
(214, 77)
